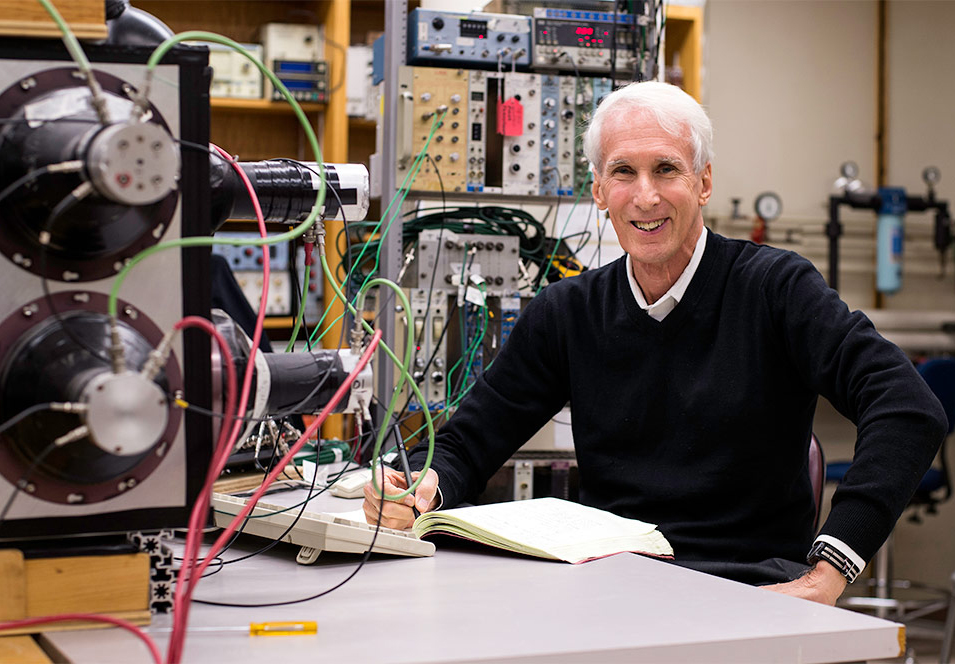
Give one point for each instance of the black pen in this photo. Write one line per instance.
(405, 467)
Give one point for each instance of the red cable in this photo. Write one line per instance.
(189, 321)
(89, 617)
(178, 635)
(200, 510)
(193, 543)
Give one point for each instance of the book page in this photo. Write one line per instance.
(557, 528)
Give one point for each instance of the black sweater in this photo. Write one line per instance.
(700, 422)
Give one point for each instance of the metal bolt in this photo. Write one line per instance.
(28, 83)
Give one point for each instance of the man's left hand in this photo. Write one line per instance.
(823, 584)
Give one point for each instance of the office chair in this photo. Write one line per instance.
(935, 487)
(817, 476)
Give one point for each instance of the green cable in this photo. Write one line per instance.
(546, 266)
(69, 39)
(301, 312)
(411, 174)
(447, 407)
(405, 375)
(154, 58)
(406, 187)
(473, 351)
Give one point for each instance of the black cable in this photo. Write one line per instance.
(434, 270)
(341, 208)
(65, 204)
(311, 496)
(361, 564)
(23, 180)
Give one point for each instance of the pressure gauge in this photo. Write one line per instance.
(849, 170)
(931, 176)
(768, 206)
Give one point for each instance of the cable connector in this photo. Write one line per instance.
(309, 246)
(141, 101)
(158, 356)
(98, 98)
(357, 336)
(79, 433)
(318, 228)
(69, 407)
(409, 257)
(310, 237)
(117, 353)
(71, 166)
(365, 412)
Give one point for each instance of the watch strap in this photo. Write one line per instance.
(832, 555)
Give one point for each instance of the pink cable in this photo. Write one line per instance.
(89, 617)
(193, 543)
(193, 539)
(189, 321)
(250, 505)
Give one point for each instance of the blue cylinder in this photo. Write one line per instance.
(889, 235)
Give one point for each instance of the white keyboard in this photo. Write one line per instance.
(317, 531)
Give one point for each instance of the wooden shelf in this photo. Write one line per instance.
(684, 36)
(262, 106)
(361, 123)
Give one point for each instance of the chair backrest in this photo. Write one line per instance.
(817, 475)
(939, 375)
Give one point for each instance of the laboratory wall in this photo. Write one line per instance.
(792, 91)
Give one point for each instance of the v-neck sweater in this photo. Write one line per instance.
(701, 422)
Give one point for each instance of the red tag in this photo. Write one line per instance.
(510, 118)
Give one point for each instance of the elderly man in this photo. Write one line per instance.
(692, 366)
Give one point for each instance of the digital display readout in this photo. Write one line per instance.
(595, 35)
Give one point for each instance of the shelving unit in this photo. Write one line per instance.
(684, 36)
(251, 128)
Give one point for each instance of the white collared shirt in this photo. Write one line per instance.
(659, 309)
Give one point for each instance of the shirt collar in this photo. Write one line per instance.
(659, 309)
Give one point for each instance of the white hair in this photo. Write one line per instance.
(677, 113)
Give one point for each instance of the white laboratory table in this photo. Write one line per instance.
(468, 604)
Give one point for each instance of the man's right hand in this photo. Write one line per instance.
(398, 514)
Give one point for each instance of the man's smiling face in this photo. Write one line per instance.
(648, 185)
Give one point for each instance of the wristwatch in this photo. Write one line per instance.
(832, 555)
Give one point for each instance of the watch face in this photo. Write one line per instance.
(768, 206)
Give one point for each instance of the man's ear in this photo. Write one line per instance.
(598, 196)
(707, 189)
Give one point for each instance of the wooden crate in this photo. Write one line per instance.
(117, 585)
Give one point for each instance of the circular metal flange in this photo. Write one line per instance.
(52, 120)
(127, 413)
(81, 471)
(134, 164)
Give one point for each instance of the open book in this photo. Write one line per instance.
(547, 528)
